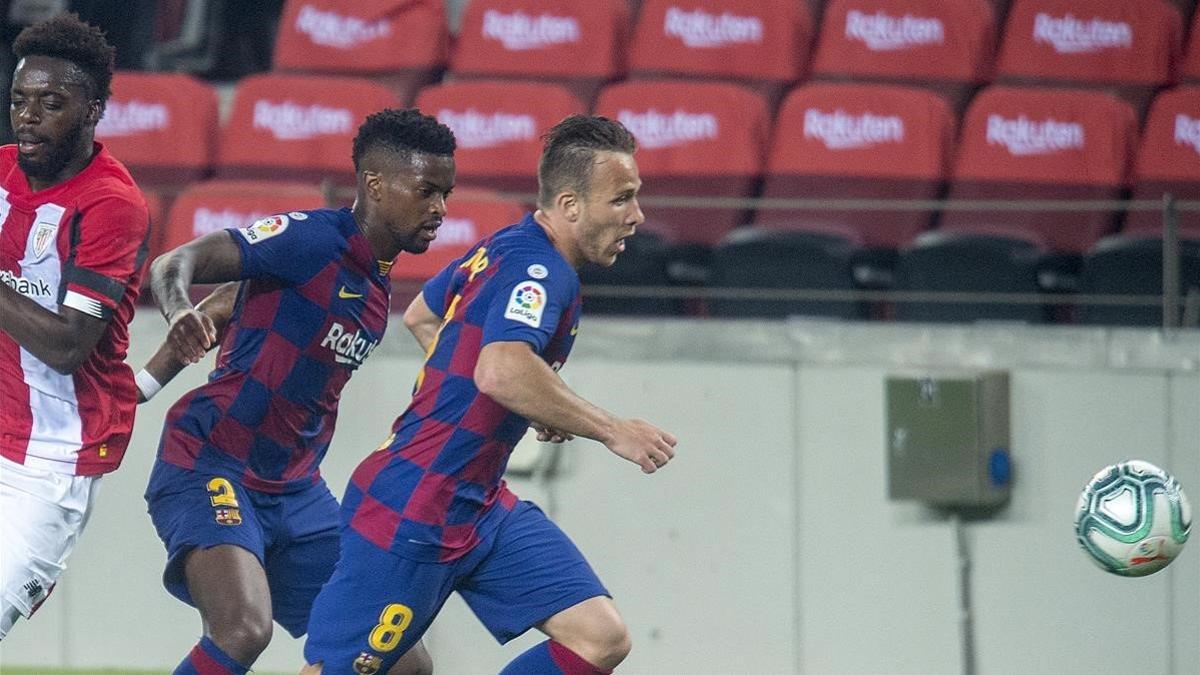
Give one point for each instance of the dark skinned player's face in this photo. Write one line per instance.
(412, 199)
(50, 112)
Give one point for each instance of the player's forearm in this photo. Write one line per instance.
(513, 376)
(422, 322)
(170, 277)
(50, 337)
(162, 368)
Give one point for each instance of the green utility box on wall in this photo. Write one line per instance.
(948, 438)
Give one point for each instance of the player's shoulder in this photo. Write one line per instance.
(525, 244)
(107, 181)
(316, 226)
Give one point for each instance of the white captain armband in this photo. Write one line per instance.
(146, 384)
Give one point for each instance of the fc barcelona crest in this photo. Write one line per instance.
(367, 664)
(230, 516)
(42, 238)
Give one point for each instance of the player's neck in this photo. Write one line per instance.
(558, 233)
(378, 241)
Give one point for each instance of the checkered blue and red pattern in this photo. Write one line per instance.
(429, 492)
(313, 306)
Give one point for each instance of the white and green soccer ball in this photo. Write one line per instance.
(1132, 518)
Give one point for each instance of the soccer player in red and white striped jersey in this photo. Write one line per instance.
(73, 228)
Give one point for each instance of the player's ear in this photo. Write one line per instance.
(568, 202)
(372, 185)
(95, 110)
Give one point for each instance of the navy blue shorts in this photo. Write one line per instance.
(294, 536)
(377, 605)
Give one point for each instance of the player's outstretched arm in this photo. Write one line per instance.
(421, 321)
(516, 378)
(163, 366)
(212, 259)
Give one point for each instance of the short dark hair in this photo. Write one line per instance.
(402, 131)
(69, 38)
(569, 153)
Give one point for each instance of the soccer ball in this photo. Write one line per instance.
(1132, 518)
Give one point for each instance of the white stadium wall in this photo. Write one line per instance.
(769, 545)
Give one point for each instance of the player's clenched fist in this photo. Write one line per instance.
(643, 444)
(191, 334)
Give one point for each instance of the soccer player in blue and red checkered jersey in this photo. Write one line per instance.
(428, 513)
(250, 527)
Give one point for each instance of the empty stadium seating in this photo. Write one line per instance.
(498, 125)
(1168, 160)
(1021, 144)
(162, 126)
(976, 262)
(1190, 71)
(296, 127)
(400, 43)
(864, 141)
(764, 45)
(215, 205)
(699, 139)
(785, 260)
(642, 264)
(1131, 48)
(946, 46)
(579, 43)
(470, 216)
(1132, 265)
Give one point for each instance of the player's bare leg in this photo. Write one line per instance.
(589, 637)
(416, 661)
(229, 587)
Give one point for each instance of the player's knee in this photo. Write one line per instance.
(609, 644)
(243, 637)
(416, 662)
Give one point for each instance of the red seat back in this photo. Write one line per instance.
(214, 205)
(1043, 144)
(399, 42)
(845, 141)
(471, 216)
(297, 127)
(1191, 64)
(579, 43)
(1168, 160)
(150, 112)
(498, 126)
(696, 139)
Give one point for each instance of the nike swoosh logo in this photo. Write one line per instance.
(347, 295)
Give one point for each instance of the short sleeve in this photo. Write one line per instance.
(435, 290)
(108, 249)
(290, 247)
(527, 297)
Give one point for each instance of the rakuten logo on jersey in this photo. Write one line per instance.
(30, 288)
(521, 32)
(700, 30)
(132, 117)
(206, 220)
(290, 122)
(881, 32)
(348, 348)
(330, 29)
(840, 130)
(456, 233)
(1024, 137)
(475, 130)
(1187, 131)
(1069, 35)
(654, 129)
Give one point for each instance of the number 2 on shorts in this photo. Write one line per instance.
(393, 621)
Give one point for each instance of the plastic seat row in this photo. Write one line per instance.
(951, 47)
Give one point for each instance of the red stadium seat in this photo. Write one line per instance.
(1168, 160)
(1131, 48)
(296, 127)
(215, 205)
(946, 46)
(471, 216)
(760, 44)
(846, 141)
(1043, 144)
(1191, 64)
(579, 43)
(498, 125)
(150, 113)
(400, 43)
(702, 139)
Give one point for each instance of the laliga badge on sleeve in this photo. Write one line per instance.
(527, 303)
(264, 229)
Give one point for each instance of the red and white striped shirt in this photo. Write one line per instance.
(79, 244)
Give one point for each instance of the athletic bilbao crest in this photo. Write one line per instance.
(367, 664)
(43, 235)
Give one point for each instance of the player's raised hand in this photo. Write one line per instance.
(547, 434)
(643, 444)
(190, 335)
